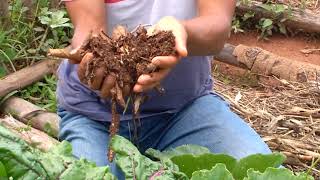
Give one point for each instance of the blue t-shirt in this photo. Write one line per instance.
(190, 79)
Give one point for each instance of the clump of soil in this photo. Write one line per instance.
(125, 56)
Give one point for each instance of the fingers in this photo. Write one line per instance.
(82, 68)
(126, 90)
(146, 82)
(107, 84)
(181, 46)
(96, 82)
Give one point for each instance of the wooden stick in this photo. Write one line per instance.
(266, 63)
(32, 115)
(306, 20)
(27, 76)
(32, 136)
(66, 53)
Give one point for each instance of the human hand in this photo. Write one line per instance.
(164, 63)
(103, 83)
(73, 53)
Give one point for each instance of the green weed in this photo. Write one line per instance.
(42, 93)
(25, 39)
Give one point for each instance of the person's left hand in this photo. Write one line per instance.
(164, 63)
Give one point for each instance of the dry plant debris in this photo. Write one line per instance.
(286, 115)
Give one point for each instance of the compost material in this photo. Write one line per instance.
(123, 57)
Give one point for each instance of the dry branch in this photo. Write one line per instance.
(301, 20)
(32, 115)
(266, 63)
(27, 76)
(32, 136)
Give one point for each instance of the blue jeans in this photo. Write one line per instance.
(207, 121)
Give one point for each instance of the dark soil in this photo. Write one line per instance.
(126, 58)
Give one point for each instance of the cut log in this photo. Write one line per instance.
(32, 115)
(302, 20)
(266, 63)
(32, 136)
(27, 76)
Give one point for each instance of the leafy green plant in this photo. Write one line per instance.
(280, 13)
(265, 25)
(236, 25)
(239, 23)
(21, 161)
(25, 38)
(42, 93)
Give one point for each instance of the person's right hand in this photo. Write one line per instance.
(100, 81)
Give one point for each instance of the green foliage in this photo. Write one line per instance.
(54, 19)
(25, 39)
(189, 163)
(18, 160)
(24, 162)
(181, 150)
(218, 172)
(3, 172)
(236, 25)
(266, 26)
(276, 174)
(257, 162)
(280, 13)
(136, 166)
(240, 23)
(42, 93)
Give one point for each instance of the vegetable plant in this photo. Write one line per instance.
(18, 160)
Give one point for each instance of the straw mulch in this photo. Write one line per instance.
(313, 5)
(286, 114)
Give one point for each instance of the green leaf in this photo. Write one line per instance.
(282, 28)
(3, 72)
(279, 8)
(218, 172)
(276, 174)
(248, 15)
(181, 150)
(188, 163)
(24, 162)
(258, 162)
(267, 23)
(19, 159)
(44, 20)
(99, 173)
(3, 173)
(7, 54)
(57, 15)
(136, 166)
(267, 7)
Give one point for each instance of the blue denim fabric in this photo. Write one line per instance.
(207, 121)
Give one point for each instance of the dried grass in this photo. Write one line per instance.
(313, 5)
(286, 114)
